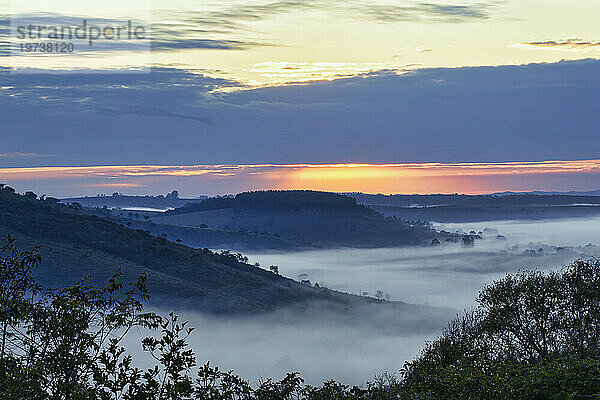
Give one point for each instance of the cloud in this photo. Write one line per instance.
(152, 112)
(19, 154)
(463, 11)
(220, 29)
(303, 72)
(487, 114)
(567, 43)
(260, 12)
(235, 17)
(428, 12)
(113, 185)
(178, 44)
(161, 36)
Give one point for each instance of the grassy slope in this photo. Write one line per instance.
(216, 238)
(75, 244)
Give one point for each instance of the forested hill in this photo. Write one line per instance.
(309, 218)
(276, 200)
(74, 244)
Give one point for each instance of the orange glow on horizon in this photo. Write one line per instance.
(399, 178)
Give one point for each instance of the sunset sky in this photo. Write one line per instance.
(193, 181)
(375, 96)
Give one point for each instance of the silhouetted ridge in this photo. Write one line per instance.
(275, 200)
(316, 219)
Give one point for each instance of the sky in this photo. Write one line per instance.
(194, 181)
(309, 87)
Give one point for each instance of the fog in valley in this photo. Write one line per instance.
(259, 347)
(449, 275)
(355, 350)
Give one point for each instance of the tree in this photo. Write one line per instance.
(532, 335)
(173, 195)
(468, 241)
(54, 341)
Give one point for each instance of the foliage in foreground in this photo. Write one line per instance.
(532, 336)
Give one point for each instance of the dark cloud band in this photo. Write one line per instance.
(568, 43)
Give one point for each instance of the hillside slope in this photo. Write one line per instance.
(74, 244)
(309, 218)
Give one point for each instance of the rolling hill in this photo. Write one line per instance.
(314, 219)
(74, 244)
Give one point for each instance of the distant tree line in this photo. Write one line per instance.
(494, 200)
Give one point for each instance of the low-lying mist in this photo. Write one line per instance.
(449, 275)
(271, 346)
(323, 346)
